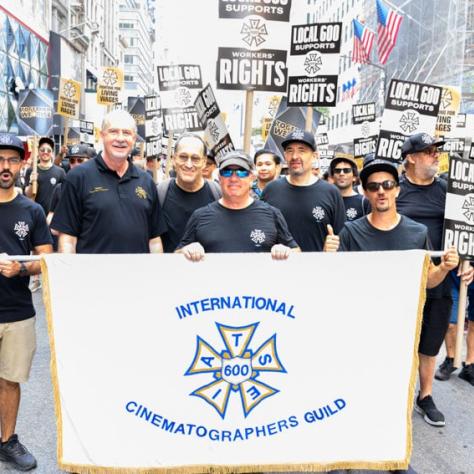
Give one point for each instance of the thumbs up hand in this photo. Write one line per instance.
(331, 243)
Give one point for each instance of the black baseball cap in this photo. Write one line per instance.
(238, 158)
(47, 140)
(300, 136)
(419, 142)
(78, 150)
(8, 141)
(375, 166)
(346, 159)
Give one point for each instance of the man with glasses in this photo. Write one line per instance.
(307, 203)
(181, 196)
(48, 176)
(108, 205)
(237, 222)
(344, 174)
(422, 197)
(23, 230)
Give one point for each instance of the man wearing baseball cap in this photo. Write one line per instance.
(308, 203)
(23, 230)
(344, 173)
(422, 197)
(236, 222)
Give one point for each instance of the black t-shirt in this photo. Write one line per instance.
(177, 209)
(307, 210)
(255, 228)
(425, 204)
(106, 213)
(22, 228)
(47, 181)
(361, 236)
(356, 206)
(55, 197)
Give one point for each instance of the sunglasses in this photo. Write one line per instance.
(386, 185)
(431, 151)
(342, 170)
(73, 161)
(45, 150)
(228, 172)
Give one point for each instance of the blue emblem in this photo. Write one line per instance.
(235, 369)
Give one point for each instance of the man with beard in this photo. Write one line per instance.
(307, 203)
(267, 165)
(344, 173)
(48, 176)
(422, 198)
(23, 230)
(108, 205)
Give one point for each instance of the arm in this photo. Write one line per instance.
(13, 268)
(67, 243)
(282, 252)
(156, 246)
(437, 273)
(194, 251)
(331, 243)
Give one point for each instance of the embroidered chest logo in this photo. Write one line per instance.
(98, 189)
(140, 192)
(318, 213)
(351, 213)
(257, 236)
(235, 369)
(21, 229)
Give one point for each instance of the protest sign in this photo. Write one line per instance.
(217, 136)
(69, 98)
(109, 86)
(410, 107)
(153, 126)
(136, 108)
(313, 64)
(230, 377)
(35, 112)
(448, 110)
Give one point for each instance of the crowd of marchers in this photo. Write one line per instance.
(81, 201)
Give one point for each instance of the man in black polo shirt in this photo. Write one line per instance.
(422, 197)
(307, 203)
(107, 204)
(48, 176)
(23, 230)
(180, 197)
(237, 222)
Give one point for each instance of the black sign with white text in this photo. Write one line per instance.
(389, 146)
(274, 10)
(454, 145)
(153, 125)
(363, 113)
(364, 146)
(319, 91)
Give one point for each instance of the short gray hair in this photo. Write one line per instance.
(121, 116)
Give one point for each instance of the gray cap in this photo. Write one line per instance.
(419, 142)
(237, 158)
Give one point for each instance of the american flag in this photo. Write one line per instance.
(388, 26)
(363, 42)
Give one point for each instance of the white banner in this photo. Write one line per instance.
(162, 364)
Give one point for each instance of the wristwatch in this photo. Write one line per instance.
(23, 270)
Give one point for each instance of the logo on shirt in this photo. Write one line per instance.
(351, 213)
(21, 229)
(236, 369)
(53, 180)
(318, 213)
(140, 192)
(98, 189)
(257, 236)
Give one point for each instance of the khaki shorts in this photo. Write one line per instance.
(17, 348)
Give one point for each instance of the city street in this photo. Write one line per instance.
(448, 450)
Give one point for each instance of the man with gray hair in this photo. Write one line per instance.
(108, 205)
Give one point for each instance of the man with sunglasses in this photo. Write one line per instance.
(181, 196)
(23, 230)
(307, 203)
(108, 205)
(48, 176)
(344, 174)
(422, 197)
(236, 222)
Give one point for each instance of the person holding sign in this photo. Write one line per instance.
(108, 205)
(307, 203)
(386, 229)
(236, 222)
(422, 197)
(23, 230)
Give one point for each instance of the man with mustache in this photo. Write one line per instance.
(23, 230)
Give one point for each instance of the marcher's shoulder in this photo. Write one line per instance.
(327, 187)
(413, 226)
(275, 185)
(26, 203)
(80, 172)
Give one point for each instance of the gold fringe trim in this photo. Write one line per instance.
(53, 363)
(226, 469)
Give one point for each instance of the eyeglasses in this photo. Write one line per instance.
(195, 160)
(73, 161)
(46, 150)
(386, 185)
(342, 170)
(115, 132)
(228, 172)
(10, 161)
(431, 151)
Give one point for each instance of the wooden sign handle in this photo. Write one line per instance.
(464, 265)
